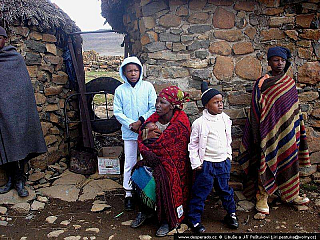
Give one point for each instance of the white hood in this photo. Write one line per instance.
(127, 61)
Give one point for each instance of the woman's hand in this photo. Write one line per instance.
(154, 133)
(135, 126)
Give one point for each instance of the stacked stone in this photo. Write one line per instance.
(93, 62)
(47, 71)
(225, 42)
(40, 179)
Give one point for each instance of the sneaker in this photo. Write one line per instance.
(128, 204)
(231, 220)
(140, 219)
(163, 230)
(300, 200)
(198, 228)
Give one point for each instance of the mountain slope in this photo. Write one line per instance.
(106, 44)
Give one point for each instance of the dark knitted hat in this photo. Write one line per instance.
(207, 93)
(279, 52)
(3, 32)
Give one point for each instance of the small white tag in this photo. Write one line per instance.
(180, 211)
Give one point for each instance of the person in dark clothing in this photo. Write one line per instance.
(21, 136)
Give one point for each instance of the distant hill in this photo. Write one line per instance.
(106, 44)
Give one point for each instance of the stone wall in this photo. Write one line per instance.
(225, 42)
(47, 71)
(94, 62)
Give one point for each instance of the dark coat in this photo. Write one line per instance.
(21, 135)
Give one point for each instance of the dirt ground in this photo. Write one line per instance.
(283, 219)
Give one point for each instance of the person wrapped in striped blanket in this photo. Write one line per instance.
(274, 143)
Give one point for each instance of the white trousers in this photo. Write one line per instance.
(130, 159)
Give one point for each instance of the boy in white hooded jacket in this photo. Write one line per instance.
(134, 102)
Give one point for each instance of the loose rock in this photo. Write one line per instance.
(99, 207)
(51, 219)
(76, 226)
(21, 207)
(259, 216)
(65, 223)
(36, 205)
(3, 210)
(55, 234)
(42, 199)
(12, 197)
(240, 195)
(301, 207)
(181, 229)
(72, 238)
(246, 205)
(3, 223)
(36, 176)
(127, 223)
(96, 230)
(98, 202)
(145, 237)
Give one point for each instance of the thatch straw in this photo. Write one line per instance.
(43, 14)
(112, 11)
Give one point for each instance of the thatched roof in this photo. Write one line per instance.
(43, 14)
(112, 11)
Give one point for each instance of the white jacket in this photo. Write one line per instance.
(130, 103)
(199, 135)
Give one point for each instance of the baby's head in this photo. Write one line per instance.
(150, 126)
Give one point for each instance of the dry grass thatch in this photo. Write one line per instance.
(43, 14)
(112, 11)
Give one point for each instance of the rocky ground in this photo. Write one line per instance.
(72, 206)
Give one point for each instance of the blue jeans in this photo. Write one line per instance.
(211, 175)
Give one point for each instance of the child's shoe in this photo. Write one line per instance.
(231, 220)
(140, 219)
(198, 228)
(163, 230)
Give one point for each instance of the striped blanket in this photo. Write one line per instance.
(274, 142)
(145, 185)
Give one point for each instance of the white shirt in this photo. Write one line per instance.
(199, 136)
(216, 148)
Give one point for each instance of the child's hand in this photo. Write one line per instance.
(135, 126)
(199, 168)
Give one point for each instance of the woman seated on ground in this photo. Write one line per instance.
(162, 177)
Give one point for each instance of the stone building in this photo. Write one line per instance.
(38, 29)
(184, 42)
